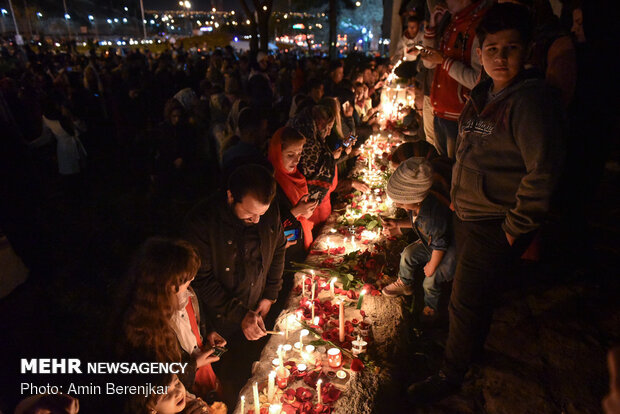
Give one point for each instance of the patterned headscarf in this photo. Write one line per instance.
(317, 162)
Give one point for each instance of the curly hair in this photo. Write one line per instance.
(159, 267)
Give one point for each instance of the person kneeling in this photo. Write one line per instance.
(410, 188)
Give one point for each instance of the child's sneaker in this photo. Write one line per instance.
(397, 288)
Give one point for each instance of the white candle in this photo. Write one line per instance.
(286, 348)
(303, 286)
(275, 409)
(271, 387)
(318, 391)
(341, 322)
(300, 344)
(312, 310)
(243, 404)
(256, 400)
(280, 361)
(313, 290)
(332, 285)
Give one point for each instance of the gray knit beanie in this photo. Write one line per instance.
(411, 182)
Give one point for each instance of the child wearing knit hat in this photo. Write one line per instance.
(410, 189)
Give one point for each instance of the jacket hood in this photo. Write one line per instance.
(526, 79)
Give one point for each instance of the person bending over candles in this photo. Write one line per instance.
(285, 150)
(239, 236)
(163, 320)
(317, 161)
(431, 219)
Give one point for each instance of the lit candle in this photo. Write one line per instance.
(286, 348)
(361, 299)
(303, 286)
(331, 285)
(243, 404)
(271, 387)
(318, 391)
(301, 367)
(303, 333)
(280, 361)
(313, 290)
(341, 322)
(256, 400)
(334, 357)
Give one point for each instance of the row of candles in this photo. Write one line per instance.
(308, 353)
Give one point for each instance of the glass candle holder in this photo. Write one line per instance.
(334, 357)
(282, 376)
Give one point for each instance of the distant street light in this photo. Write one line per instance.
(357, 4)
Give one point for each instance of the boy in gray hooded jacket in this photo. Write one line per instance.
(509, 153)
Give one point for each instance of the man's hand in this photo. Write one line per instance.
(204, 357)
(437, 14)
(253, 326)
(429, 269)
(215, 339)
(432, 56)
(263, 307)
(511, 239)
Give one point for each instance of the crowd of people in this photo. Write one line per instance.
(239, 158)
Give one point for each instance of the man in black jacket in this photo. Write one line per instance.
(239, 236)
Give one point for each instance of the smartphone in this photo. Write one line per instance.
(293, 232)
(218, 351)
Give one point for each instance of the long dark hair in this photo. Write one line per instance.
(159, 267)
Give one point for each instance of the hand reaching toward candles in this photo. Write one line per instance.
(215, 339)
(360, 186)
(253, 326)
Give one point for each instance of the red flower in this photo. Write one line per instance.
(375, 292)
(371, 263)
(363, 313)
(321, 409)
(357, 365)
(303, 394)
(368, 287)
(288, 409)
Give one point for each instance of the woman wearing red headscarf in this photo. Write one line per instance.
(285, 150)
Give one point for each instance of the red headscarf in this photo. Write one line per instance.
(293, 183)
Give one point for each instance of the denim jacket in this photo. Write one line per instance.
(433, 224)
